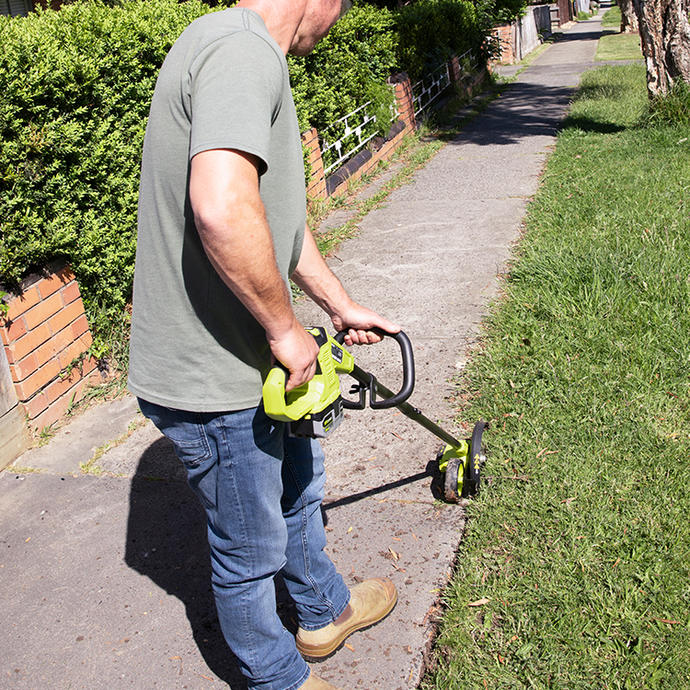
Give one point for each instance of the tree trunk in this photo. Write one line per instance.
(629, 23)
(665, 34)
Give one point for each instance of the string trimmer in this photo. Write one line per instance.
(315, 409)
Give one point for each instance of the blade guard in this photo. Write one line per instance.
(315, 395)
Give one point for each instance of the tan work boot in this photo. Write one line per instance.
(370, 601)
(316, 683)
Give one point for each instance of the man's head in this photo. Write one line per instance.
(298, 25)
(319, 16)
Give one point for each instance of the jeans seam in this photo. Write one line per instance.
(250, 647)
(305, 551)
(301, 681)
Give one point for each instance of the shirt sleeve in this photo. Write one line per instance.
(236, 91)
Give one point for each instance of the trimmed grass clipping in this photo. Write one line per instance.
(575, 568)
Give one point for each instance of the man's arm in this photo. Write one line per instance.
(231, 222)
(316, 279)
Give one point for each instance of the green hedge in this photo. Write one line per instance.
(76, 88)
(431, 32)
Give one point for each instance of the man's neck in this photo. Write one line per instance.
(281, 17)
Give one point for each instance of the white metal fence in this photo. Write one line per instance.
(433, 84)
(342, 139)
(353, 131)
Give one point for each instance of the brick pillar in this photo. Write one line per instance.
(44, 332)
(403, 99)
(455, 69)
(506, 41)
(316, 187)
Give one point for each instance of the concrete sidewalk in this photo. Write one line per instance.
(105, 575)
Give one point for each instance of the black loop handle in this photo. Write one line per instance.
(408, 371)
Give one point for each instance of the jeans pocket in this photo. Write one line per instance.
(192, 453)
(184, 429)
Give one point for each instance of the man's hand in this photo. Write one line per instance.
(318, 281)
(359, 322)
(297, 351)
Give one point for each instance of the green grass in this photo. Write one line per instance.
(611, 18)
(619, 47)
(580, 539)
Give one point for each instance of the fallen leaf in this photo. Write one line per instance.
(28, 539)
(479, 602)
(667, 620)
(394, 554)
(349, 646)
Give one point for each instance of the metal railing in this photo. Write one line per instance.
(354, 131)
(342, 139)
(433, 84)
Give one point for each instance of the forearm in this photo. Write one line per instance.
(316, 279)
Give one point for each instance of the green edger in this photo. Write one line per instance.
(315, 409)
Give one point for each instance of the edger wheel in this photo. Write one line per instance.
(475, 460)
(450, 480)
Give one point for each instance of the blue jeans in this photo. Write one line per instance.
(262, 493)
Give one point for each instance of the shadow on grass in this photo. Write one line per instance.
(587, 124)
(525, 110)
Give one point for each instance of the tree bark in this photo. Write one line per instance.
(665, 34)
(629, 23)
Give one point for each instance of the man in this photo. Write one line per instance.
(221, 227)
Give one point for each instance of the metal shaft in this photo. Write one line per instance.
(408, 410)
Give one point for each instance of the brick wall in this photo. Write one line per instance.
(506, 41)
(320, 187)
(316, 188)
(45, 335)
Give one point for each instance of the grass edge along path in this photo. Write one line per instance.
(574, 571)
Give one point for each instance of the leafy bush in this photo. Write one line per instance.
(504, 11)
(430, 32)
(359, 51)
(346, 69)
(76, 88)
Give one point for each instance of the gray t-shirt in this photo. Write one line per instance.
(224, 85)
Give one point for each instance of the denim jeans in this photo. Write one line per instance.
(262, 494)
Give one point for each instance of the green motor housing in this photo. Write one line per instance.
(315, 408)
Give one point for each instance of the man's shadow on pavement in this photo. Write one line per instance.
(166, 541)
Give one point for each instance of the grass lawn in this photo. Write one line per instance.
(611, 18)
(575, 568)
(614, 45)
(619, 47)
